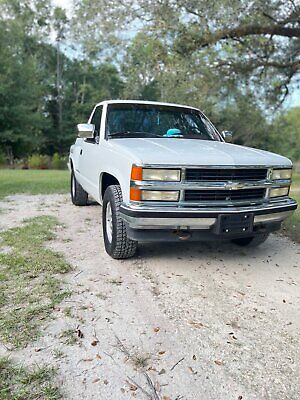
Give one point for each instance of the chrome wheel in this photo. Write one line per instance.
(109, 222)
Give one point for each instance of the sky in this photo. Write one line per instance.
(293, 100)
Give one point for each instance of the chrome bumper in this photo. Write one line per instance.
(141, 217)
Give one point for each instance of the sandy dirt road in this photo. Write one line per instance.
(188, 321)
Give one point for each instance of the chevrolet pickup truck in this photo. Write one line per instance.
(163, 172)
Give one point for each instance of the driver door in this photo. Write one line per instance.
(89, 156)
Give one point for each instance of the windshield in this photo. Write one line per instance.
(148, 120)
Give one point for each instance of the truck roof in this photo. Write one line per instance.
(144, 102)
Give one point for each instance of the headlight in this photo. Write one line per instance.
(281, 174)
(151, 174)
(279, 192)
(155, 174)
(157, 195)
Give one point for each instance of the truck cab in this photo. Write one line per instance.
(163, 172)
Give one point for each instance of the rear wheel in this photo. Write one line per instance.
(116, 242)
(252, 241)
(78, 195)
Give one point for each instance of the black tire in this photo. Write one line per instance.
(116, 242)
(252, 241)
(78, 195)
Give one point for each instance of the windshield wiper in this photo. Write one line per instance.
(132, 133)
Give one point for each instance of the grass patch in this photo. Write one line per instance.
(296, 179)
(291, 226)
(18, 383)
(29, 280)
(33, 181)
(69, 337)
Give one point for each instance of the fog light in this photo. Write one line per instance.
(163, 195)
(279, 192)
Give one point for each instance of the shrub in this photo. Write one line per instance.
(2, 158)
(38, 161)
(58, 162)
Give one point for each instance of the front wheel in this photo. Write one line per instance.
(117, 244)
(252, 241)
(78, 195)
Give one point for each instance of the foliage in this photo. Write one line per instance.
(19, 383)
(58, 162)
(37, 161)
(33, 182)
(285, 134)
(28, 273)
(219, 57)
(2, 158)
(244, 42)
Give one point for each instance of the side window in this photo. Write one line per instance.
(96, 120)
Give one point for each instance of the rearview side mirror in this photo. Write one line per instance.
(86, 131)
(227, 136)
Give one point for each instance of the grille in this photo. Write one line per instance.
(221, 175)
(226, 195)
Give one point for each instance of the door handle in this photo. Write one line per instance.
(80, 151)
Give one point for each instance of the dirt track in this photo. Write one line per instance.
(229, 316)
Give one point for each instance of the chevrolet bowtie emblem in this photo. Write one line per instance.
(234, 186)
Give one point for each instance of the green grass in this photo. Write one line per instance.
(19, 383)
(30, 281)
(291, 226)
(33, 181)
(296, 179)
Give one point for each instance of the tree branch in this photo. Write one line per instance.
(245, 30)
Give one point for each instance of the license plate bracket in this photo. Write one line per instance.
(232, 224)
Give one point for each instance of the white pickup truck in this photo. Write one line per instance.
(162, 172)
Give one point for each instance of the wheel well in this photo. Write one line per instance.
(107, 180)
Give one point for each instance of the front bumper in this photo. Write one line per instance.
(266, 217)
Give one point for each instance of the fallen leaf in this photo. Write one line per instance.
(197, 324)
(192, 371)
(131, 386)
(219, 362)
(157, 329)
(194, 357)
(162, 371)
(105, 382)
(98, 356)
(94, 342)
(96, 380)
(87, 359)
(161, 353)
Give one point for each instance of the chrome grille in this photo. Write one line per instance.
(223, 175)
(224, 195)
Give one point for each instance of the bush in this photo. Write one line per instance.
(38, 161)
(58, 162)
(2, 158)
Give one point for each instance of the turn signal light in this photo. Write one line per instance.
(135, 194)
(136, 173)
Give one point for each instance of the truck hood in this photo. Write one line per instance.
(174, 151)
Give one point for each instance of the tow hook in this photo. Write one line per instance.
(182, 235)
